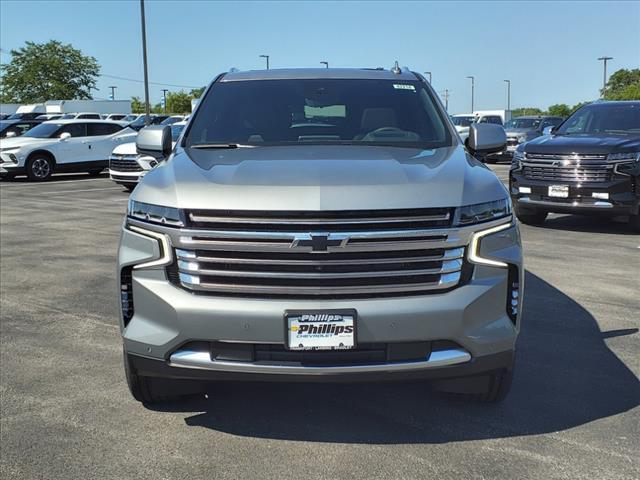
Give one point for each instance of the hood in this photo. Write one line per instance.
(594, 144)
(514, 132)
(320, 178)
(22, 141)
(129, 149)
(125, 149)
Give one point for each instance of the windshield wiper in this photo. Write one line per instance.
(213, 146)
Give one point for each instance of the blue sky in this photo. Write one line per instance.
(547, 49)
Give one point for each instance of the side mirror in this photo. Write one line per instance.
(10, 134)
(548, 130)
(64, 136)
(486, 138)
(154, 141)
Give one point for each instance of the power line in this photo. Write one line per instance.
(151, 83)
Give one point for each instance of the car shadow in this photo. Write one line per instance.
(566, 376)
(587, 224)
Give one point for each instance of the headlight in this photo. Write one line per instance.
(156, 214)
(9, 149)
(482, 212)
(518, 156)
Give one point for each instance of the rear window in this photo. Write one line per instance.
(319, 111)
(96, 129)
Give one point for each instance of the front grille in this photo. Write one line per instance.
(124, 164)
(357, 254)
(578, 168)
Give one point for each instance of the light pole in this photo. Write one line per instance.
(428, 73)
(473, 87)
(113, 92)
(164, 99)
(147, 118)
(508, 94)
(326, 64)
(266, 57)
(446, 99)
(604, 78)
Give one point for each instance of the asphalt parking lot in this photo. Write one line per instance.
(66, 411)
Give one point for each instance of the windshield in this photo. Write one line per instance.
(320, 111)
(176, 130)
(44, 130)
(530, 123)
(462, 121)
(613, 118)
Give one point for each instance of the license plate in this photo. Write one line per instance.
(320, 330)
(560, 191)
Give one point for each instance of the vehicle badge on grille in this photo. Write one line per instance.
(319, 242)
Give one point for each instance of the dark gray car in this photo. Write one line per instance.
(320, 225)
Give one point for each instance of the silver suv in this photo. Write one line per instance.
(320, 225)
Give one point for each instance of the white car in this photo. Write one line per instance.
(127, 166)
(81, 116)
(62, 146)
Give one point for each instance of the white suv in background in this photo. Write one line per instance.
(62, 146)
(127, 166)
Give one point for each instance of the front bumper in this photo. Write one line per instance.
(167, 320)
(126, 177)
(621, 192)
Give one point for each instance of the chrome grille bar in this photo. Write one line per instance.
(358, 254)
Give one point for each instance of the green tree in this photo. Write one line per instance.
(519, 112)
(39, 72)
(560, 110)
(197, 92)
(178, 102)
(137, 105)
(624, 85)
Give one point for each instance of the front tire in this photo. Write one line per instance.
(530, 216)
(39, 168)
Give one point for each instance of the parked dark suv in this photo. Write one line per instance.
(590, 164)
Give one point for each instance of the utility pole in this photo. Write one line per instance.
(164, 99)
(428, 73)
(604, 77)
(473, 86)
(446, 99)
(266, 57)
(147, 108)
(508, 94)
(326, 64)
(113, 92)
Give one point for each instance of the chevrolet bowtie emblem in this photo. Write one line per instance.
(319, 242)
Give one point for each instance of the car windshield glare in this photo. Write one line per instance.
(613, 118)
(523, 123)
(319, 111)
(44, 130)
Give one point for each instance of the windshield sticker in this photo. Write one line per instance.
(404, 86)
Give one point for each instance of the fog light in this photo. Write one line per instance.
(513, 295)
(600, 195)
(524, 189)
(126, 295)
